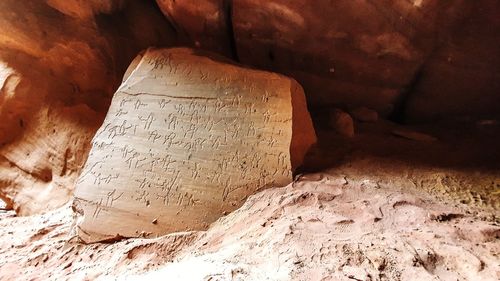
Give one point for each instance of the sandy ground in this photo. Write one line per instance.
(322, 227)
(368, 217)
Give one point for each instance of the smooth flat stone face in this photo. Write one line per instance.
(186, 139)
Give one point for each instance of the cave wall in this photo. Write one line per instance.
(61, 60)
(411, 60)
(60, 64)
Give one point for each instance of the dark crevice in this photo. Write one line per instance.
(401, 106)
(398, 115)
(228, 11)
(271, 55)
(168, 19)
(65, 164)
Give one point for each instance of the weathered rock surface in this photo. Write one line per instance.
(372, 224)
(202, 22)
(364, 114)
(86, 9)
(418, 59)
(413, 135)
(342, 123)
(187, 138)
(60, 62)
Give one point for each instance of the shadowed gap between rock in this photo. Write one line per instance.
(228, 12)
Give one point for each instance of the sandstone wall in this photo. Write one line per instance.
(415, 60)
(60, 62)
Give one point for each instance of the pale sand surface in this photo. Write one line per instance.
(332, 226)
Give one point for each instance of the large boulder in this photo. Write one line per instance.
(187, 138)
(60, 63)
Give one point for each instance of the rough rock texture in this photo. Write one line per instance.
(412, 60)
(330, 228)
(86, 9)
(323, 227)
(462, 74)
(60, 62)
(364, 114)
(391, 209)
(202, 22)
(187, 138)
(342, 123)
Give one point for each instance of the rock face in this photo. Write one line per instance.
(418, 60)
(364, 114)
(86, 9)
(60, 62)
(202, 22)
(342, 123)
(187, 138)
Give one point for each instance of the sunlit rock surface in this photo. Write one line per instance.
(60, 62)
(187, 138)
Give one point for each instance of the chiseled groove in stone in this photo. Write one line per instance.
(165, 95)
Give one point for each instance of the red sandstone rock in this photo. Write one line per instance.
(423, 58)
(86, 9)
(202, 22)
(364, 114)
(59, 65)
(342, 123)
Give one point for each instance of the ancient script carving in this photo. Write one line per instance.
(185, 140)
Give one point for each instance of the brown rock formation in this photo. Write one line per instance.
(202, 22)
(60, 61)
(86, 9)
(462, 74)
(413, 60)
(364, 114)
(342, 123)
(186, 140)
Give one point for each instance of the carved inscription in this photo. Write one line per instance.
(187, 143)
